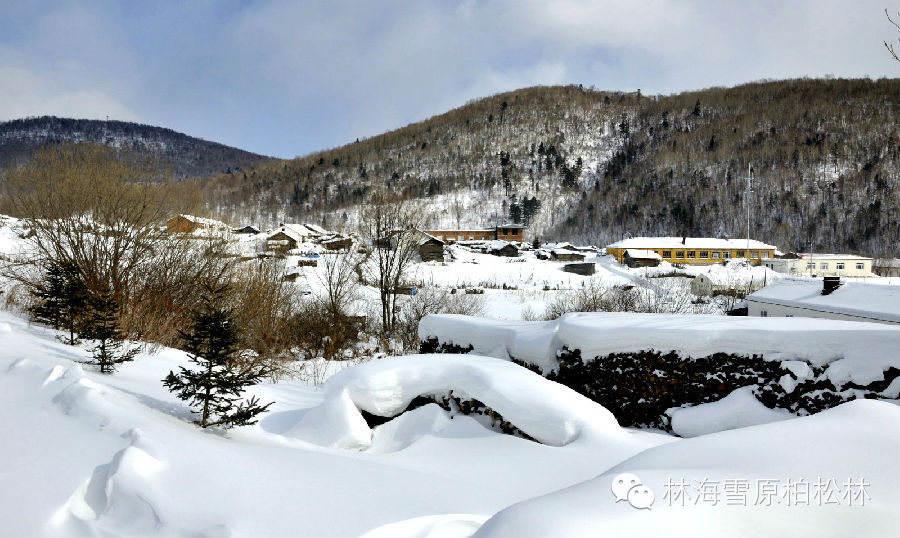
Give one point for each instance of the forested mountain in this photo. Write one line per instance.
(169, 151)
(584, 165)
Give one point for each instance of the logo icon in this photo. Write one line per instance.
(628, 487)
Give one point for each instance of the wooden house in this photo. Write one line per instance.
(565, 255)
(505, 232)
(248, 230)
(584, 269)
(507, 250)
(430, 248)
(641, 258)
(188, 224)
(338, 242)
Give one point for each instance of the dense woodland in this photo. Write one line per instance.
(173, 154)
(578, 164)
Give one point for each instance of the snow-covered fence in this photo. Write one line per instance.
(640, 365)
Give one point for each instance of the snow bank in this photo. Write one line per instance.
(819, 342)
(529, 341)
(547, 411)
(737, 410)
(829, 455)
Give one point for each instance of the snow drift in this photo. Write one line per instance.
(548, 412)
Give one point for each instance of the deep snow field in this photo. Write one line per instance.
(85, 454)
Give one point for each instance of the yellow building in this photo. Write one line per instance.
(694, 250)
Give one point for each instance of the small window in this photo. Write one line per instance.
(823, 265)
(811, 265)
(667, 254)
(754, 254)
(738, 253)
(726, 254)
(860, 266)
(692, 254)
(764, 313)
(704, 254)
(840, 265)
(679, 254)
(716, 255)
(471, 237)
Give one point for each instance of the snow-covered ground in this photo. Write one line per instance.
(86, 454)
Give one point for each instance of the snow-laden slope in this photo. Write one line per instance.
(85, 454)
(832, 474)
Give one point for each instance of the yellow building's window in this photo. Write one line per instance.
(692, 254)
(679, 254)
(667, 254)
(704, 254)
(716, 255)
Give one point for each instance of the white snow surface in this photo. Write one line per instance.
(86, 454)
(547, 411)
(737, 410)
(818, 341)
(711, 243)
(863, 299)
(856, 441)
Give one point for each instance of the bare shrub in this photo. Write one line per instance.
(432, 300)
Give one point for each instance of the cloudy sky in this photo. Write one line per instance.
(285, 78)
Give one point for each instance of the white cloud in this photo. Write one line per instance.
(23, 93)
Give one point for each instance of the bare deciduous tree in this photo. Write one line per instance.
(390, 225)
(890, 46)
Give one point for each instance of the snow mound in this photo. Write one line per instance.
(548, 412)
(116, 499)
(831, 453)
(529, 341)
(406, 429)
(335, 423)
(440, 526)
(737, 410)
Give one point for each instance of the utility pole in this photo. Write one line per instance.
(749, 190)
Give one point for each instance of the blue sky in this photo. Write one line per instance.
(288, 78)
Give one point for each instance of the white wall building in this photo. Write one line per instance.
(802, 297)
(811, 264)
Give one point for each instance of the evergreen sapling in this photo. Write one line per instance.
(215, 389)
(102, 326)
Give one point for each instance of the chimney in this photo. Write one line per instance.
(683, 239)
(830, 283)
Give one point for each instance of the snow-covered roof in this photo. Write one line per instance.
(316, 228)
(872, 301)
(824, 256)
(646, 254)
(710, 243)
(209, 223)
(888, 262)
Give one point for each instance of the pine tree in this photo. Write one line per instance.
(215, 389)
(102, 326)
(61, 299)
